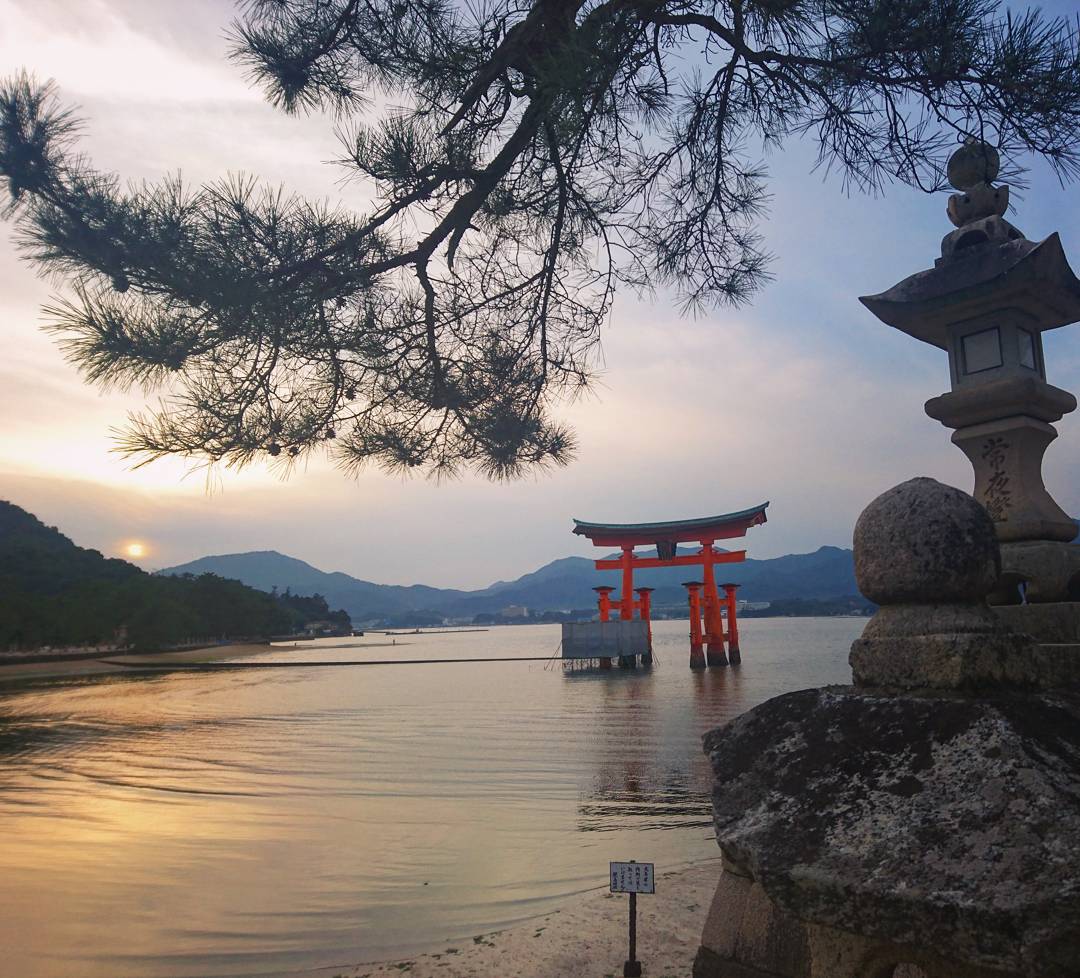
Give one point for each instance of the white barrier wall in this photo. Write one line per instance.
(604, 639)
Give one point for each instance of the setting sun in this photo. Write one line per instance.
(135, 549)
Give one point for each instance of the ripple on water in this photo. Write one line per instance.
(217, 823)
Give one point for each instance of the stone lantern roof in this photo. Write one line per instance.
(1032, 276)
(986, 264)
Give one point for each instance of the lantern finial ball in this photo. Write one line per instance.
(972, 164)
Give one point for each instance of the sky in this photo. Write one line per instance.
(801, 398)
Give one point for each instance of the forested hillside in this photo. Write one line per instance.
(54, 593)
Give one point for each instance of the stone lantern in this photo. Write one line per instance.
(987, 301)
(924, 821)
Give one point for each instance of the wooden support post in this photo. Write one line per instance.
(697, 652)
(714, 625)
(632, 967)
(732, 625)
(603, 602)
(604, 605)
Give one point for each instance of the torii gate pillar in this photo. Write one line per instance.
(714, 623)
(644, 604)
(626, 599)
(732, 624)
(697, 649)
(603, 604)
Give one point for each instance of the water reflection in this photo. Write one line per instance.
(648, 774)
(223, 823)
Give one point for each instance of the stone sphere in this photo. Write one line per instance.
(925, 543)
(972, 164)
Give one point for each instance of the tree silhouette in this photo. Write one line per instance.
(55, 593)
(540, 155)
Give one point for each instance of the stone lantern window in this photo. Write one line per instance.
(1007, 344)
(1029, 350)
(981, 351)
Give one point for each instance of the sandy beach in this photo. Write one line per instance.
(586, 938)
(107, 662)
(16, 667)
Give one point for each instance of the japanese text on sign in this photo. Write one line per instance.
(632, 878)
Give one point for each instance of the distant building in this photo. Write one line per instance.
(514, 611)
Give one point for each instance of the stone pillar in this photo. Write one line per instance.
(1039, 564)
(924, 821)
(1006, 455)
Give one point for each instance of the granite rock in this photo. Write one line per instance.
(928, 554)
(942, 647)
(923, 542)
(943, 822)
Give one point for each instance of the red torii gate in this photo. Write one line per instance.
(704, 596)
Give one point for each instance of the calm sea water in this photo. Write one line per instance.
(259, 821)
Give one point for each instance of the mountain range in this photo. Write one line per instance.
(563, 584)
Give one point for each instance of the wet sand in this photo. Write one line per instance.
(108, 662)
(587, 938)
(112, 662)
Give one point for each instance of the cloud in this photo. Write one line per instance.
(122, 50)
(802, 398)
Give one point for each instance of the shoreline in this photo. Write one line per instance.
(584, 938)
(67, 665)
(126, 662)
(43, 656)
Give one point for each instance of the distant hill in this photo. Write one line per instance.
(44, 561)
(560, 585)
(269, 570)
(54, 593)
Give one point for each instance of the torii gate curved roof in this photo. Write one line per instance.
(723, 527)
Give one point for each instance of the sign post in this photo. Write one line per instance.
(633, 878)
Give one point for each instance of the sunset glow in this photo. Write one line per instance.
(741, 378)
(666, 380)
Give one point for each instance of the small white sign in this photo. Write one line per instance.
(632, 878)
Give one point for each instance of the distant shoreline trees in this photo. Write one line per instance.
(540, 156)
(55, 594)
